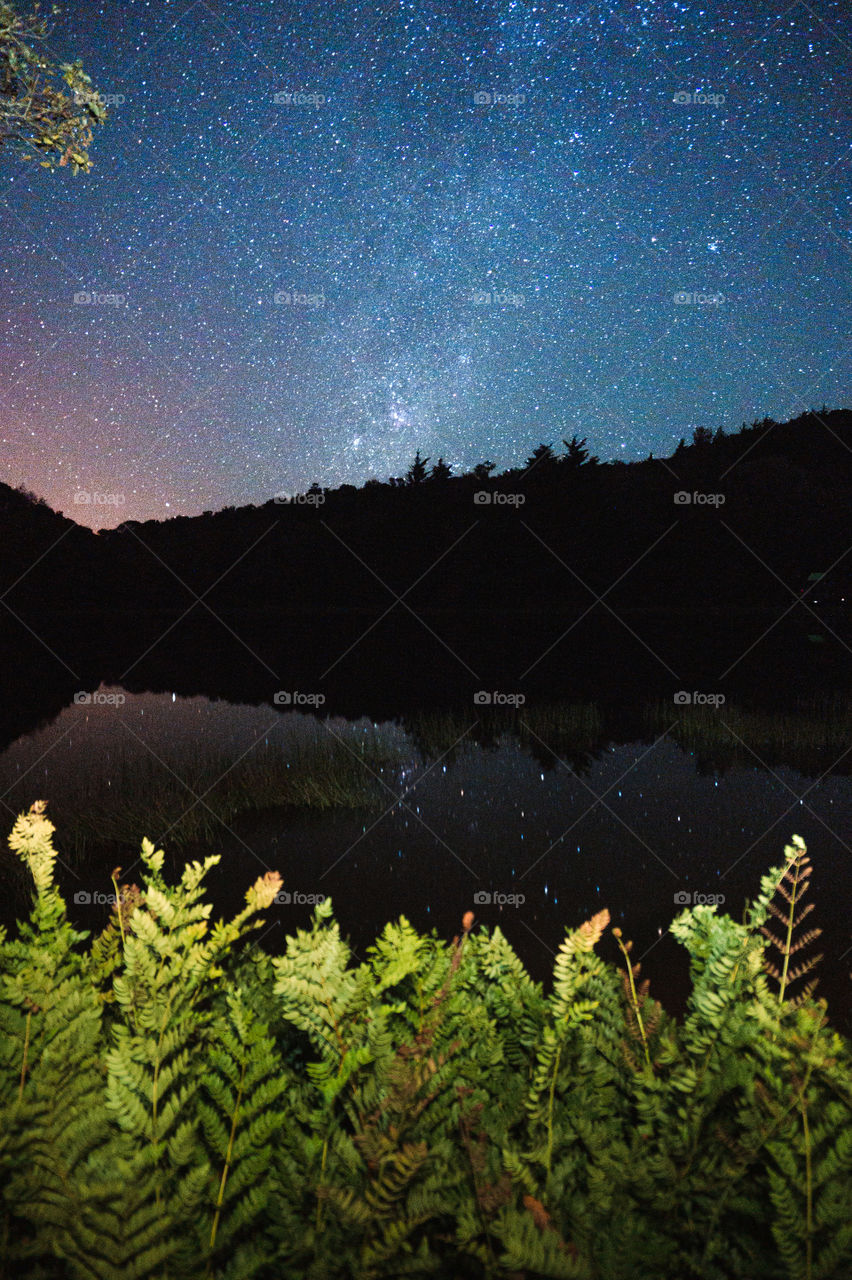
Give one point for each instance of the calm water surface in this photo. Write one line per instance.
(536, 847)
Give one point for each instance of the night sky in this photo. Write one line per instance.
(644, 228)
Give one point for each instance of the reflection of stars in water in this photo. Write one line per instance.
(406, 773)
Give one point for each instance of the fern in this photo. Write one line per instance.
(175, 1105)
(62, 1171)
(242, 1113)
(792, 887)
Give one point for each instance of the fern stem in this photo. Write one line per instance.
(26, 1050)
(124, 947)
(227, 1165)
(550, 1108)
(322, 1174)
(793, 865)
(341, 1044)
(155, 1089)
(118, 910)
(633, 996)
(809, 1191)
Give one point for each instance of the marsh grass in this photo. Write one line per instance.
(187, 800)
(183, 795)
(810, 735)
(559, 726)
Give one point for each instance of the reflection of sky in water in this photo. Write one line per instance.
(495, 822)
(511, 827)
(641, 826)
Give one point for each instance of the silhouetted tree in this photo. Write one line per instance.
(543, 462)
(543, 456)
(441, 471)
(577, 454)
(702, 436)
(681, 448)
(31, 497)
(417, 472)
(483, 470)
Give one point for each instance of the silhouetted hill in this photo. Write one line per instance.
(46, 559)
(767, 506)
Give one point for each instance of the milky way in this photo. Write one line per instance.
(317, 237)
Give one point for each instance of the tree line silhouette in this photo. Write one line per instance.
(730, 521)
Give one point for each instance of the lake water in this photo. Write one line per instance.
(534, 821)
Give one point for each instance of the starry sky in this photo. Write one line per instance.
(319, 236)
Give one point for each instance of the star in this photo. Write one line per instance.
(332, 251)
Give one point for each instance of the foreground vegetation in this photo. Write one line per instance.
(176, 1103)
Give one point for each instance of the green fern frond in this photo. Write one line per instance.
(792, 886)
